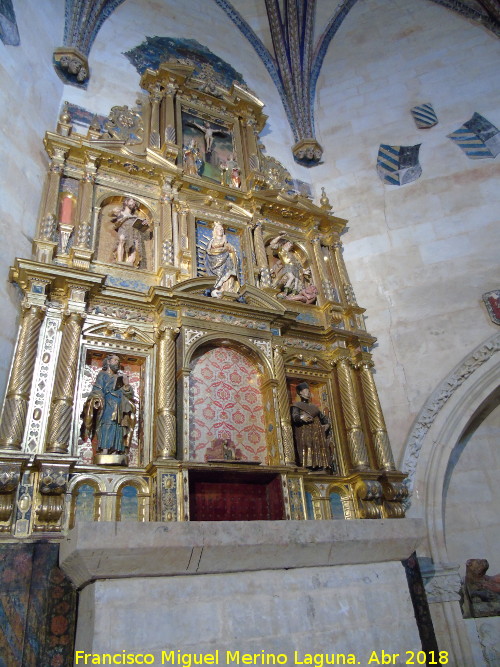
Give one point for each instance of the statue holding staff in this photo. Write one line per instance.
(109, 412)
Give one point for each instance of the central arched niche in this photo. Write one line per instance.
(230, 400)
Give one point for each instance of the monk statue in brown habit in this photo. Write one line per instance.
(311, 428)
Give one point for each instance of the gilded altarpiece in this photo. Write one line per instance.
(181, 299)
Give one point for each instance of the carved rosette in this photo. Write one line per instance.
(355, 435)
(18, 391)
(166, 425)
(284, 406)
(383, 453)
(59, 430)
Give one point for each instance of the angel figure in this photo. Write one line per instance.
(129, 228)
(288, 271)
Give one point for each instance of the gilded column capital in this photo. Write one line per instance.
(167, 331)
(56, 168)
(156, 92)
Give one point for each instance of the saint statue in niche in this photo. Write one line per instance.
(288, 273)
(311, 428)
(221, 261)
(109, 412)
(131, 231)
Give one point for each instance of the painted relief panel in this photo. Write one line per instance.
(125, 236)
(131, 367)
(225, 404)
(207, 146)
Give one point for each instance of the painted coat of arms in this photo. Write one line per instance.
(492, 302)
(478, 138)
(398, 165)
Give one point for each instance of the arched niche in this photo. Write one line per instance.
(132, 500)
(471, 493)
(85, 500)
(231, 404)
(108, 234)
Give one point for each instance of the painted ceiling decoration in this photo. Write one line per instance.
(294, 64)
(398, 165)
(424, 115)
(83, 20)
(478, 138)
(156, 50)
(485, 12)
(9, 33)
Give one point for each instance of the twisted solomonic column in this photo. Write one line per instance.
(355, 435)
(284, 405)
(378, 428)
(21, 377)
(166, 431)
(61, 410)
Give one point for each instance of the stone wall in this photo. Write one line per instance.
(419, 255)
(31, 98)
(472, 495)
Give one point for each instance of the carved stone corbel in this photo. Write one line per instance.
(10, 476)
(395, 494)
(368, 494)
(53, 479)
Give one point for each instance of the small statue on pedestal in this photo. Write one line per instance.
(109, 413)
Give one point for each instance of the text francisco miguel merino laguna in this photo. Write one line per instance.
(231, 657)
